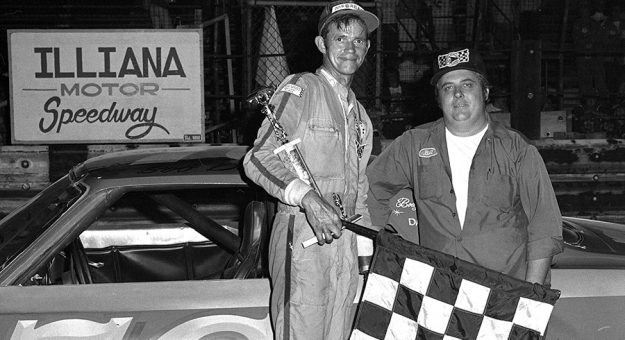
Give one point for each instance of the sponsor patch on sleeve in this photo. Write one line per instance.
(293, 89)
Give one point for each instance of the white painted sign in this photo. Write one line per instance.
(106, 86)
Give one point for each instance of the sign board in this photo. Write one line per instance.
(106, 86)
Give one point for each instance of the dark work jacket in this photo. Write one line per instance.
(512, 213)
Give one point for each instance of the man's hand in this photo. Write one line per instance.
(325, 221)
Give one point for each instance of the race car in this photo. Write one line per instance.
(163, 243)
(170, 243)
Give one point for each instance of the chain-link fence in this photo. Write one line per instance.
(393, 82)
(282, 37)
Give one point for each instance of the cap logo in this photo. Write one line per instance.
(452, 59)
(346, 6)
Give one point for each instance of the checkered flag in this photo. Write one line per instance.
(414, 292)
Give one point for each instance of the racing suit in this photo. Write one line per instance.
(512, 214)
(313, 289)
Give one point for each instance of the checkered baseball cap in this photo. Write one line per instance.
(347, 7)
(457, 59)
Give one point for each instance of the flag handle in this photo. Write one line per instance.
(349, 224)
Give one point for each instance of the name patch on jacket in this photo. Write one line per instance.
(403, 217)
(427, 152)
(293, 89)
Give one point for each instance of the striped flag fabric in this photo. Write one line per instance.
(413, 292)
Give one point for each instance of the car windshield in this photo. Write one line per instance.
(28, 222)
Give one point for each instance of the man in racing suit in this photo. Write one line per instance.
(482, 192)
(313, 288)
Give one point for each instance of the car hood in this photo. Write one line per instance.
(591, 244)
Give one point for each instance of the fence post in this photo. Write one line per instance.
(378, 57)
(247, 53)
(527, 97)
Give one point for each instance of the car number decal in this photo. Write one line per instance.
(114, 329)
(117, 328)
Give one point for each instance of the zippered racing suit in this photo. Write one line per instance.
(313, 289)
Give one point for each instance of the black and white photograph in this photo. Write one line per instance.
(312, 169)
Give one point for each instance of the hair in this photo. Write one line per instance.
(342, 20)
(480, 78)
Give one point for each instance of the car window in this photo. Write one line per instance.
(138, 218)
(169, 235)
(25, 225)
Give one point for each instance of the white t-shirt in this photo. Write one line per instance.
(461, 151)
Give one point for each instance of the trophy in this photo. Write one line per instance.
(261, 97)
(295, 158)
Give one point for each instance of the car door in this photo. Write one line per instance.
(140, 264)
(590, 274)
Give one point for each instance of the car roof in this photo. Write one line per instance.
(219, 162)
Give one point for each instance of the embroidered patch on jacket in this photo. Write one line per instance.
(293, 89)
(405, 203)
(427, 152)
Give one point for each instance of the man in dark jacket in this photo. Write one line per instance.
(482, 192)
